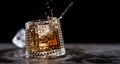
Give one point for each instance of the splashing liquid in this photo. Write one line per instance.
(49, 10)
(65, 10)
(44, 38)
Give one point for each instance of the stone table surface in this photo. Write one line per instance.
(81, 53)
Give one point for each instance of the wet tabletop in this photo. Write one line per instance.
(91, 53)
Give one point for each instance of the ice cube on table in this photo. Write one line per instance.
(19, 38)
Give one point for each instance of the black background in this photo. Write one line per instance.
(85, 21)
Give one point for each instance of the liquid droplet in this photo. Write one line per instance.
(52, 12)
(46, 3)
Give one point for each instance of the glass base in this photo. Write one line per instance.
(46, 54)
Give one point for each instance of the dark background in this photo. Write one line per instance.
(85, 21)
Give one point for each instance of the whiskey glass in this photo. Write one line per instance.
(44, 38)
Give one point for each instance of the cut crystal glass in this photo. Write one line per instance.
(44, 39)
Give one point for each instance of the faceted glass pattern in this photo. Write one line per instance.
(44, 39)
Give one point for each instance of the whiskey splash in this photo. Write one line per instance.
(65, 10)
(44, 37)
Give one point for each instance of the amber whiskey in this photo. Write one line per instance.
(44, 39)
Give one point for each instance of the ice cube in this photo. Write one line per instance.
(19, 38)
